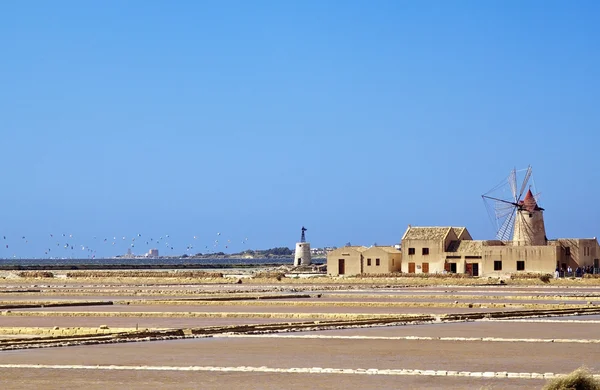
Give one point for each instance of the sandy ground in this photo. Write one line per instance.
(330, 353)
(576, 318)
(18, 379)
(124, 322)
(478, 329)
(278, 351)
(265, 309)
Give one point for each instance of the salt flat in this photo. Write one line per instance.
(294, 357)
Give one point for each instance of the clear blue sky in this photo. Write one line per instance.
(253, 118)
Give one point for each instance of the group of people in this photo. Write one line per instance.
(579, 271)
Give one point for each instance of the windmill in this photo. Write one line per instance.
(516, 217)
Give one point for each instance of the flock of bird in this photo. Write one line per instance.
(66, 242)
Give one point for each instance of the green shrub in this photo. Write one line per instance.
(580, 379)
(144, 274)
(269, 275)
(35, 274)
(422, 276)
(527, 275)
(591, 276)
(545, 278)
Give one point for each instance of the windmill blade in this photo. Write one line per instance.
(503, 210)
(525, 180)
(497, 209)
(502, 231)
(506, 229)
(512, 181)
(537, 197)
(498, 186)
(491, 212)
(498, 200)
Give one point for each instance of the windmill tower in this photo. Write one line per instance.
(518, 219)
(529, 223)
(302, 253)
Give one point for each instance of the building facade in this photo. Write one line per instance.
(345, 261)
(360, 260)
(435, 250)
(449, 249)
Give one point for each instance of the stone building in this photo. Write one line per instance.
(424, 248)
(345, 261)
(450, 249)
(356, 260)
(302, 253)
(436, 250)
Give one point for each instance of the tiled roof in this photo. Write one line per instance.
(458, 230)
(427, 232)
(529, 202)
(466, 247)
(359, 248)
(347, 249)
(388, 249)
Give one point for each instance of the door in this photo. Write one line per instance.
(411, 268)
(447, 267)
(425, 267)
(341, 267)
(469, 269)
(475, 269)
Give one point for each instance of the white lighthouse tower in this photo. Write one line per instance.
(302, 253)
(529, 223)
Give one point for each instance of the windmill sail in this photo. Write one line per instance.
(505, 206)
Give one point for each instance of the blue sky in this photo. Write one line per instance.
(251, 119)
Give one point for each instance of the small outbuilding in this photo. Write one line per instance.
(357, 260)
(345, 261)
(381, 260)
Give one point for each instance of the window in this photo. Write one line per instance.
(567, 251)
(425, 251)
(520, 265)
(377, 262)
(497, 265)
(392, 261)
(411, 251)
(368, 261)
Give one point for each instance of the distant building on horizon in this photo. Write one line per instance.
(152, 253)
